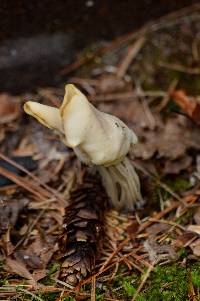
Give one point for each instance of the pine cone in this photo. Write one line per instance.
(83, 230)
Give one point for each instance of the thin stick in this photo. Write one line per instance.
(113, 254)
(93, 290)
(166, 98)
(174, 194)
(158, 216)
(29, 293)
(180, 68)
(161, 221)
(143, 281)
(21, 182)
(15, 164)
(29, 230)
(132, 52)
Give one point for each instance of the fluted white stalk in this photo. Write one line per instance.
(98, 139)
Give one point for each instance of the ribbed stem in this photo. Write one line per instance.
(122, 185)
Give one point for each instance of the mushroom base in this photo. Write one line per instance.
(122, 185)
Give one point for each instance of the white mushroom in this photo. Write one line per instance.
(98, 139)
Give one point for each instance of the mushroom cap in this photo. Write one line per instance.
(96, 137)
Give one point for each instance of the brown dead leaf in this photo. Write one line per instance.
(175, 166)
(20, 269)
(173, 140)
(159, 251)
(197, 216)
(167, 139)
(157, 228)
(29, 258)
(195, 246)
(194, 228)
(109, 83)
(187, 104)
(38, 253)
(183, 240)
(9, 108)
(39, 274)
(9, 212)
(170, 141)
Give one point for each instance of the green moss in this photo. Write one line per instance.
(86, 287)
(53, 268)
(182, 253)
(48, 280)
(48, 296)
(167, 284)
(129, 288)
(177, 184)
(195, 278)
(194, 269)
(3, 282)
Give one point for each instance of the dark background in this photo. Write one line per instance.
(39, 37)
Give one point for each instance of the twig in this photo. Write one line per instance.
(143, 281)
(166, 98)
(158, 216)
(29, 230)
(29, 293)
(15, 164)
(121, 245)
(161, 221)
(132, 52)
(180, 68)
(148, 115)
(22, 182)
(170, 191)
(105, 266)
(93, 289)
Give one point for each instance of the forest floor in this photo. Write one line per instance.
(151, 80)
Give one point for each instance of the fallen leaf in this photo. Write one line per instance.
(197, 216)
(9, 212)
(189, 105)
(26, 162)
(167, 139)
(195, 246)
(39, 274)
(194, 228)
(159, 251)
(175, 166)
(29, 258)
(38, 253)
(183, 239)
(157, 228)
(109, 83)
(20, 269)
(9, 109)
